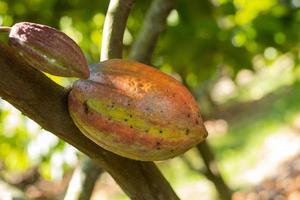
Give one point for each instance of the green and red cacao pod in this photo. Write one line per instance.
(136, 111)
(48, 50)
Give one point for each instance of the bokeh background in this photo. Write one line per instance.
(240, 58)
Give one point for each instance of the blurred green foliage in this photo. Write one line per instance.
(204, 41)
(201, 35)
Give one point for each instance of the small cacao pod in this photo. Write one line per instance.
(48, 50)
(136, 111)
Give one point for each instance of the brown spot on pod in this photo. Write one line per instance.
(158, 145)
(85, 108)
(151, 111)
(187, 131)
(48, 50)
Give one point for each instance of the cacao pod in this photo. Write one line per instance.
(136, 111)
(48, 50)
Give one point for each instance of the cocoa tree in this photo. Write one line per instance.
(45, 102)
(115, 24)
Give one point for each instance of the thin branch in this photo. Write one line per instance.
(212, 170)
(114, 27)
(38, 97)
(154, 24)
(83, 180)
(5, 29)
(192, 167)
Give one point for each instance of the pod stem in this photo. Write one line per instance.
(5, 29)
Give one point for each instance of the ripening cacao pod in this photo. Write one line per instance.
(136, 111)
(48, 50)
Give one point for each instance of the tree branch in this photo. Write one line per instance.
(114, 27)
(38, 97)
(212, 170)
(83, 180)
(192, 167)
(154, 24)
(5, 29)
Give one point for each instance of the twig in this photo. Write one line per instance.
(83, 180)
(191, 166)
(114, 27)
(154, 24)
(5, 29)
(212, 170)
